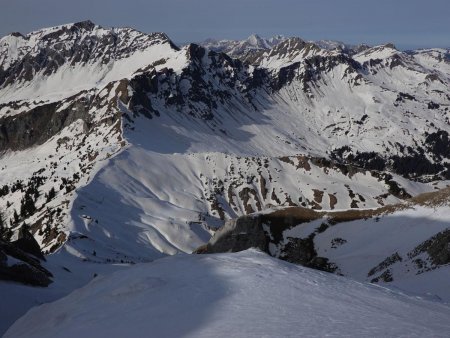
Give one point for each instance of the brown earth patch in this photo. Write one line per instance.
(333, 201)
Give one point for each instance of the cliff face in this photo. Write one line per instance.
(265, 232)
(238, 235)
(37, 125)
(20, 261)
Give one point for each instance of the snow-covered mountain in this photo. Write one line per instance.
(255, 43)
(120, 147)
(237, 48)
(247, 294)
(59, 62)
(86, 109)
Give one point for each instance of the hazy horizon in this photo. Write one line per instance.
(408, 24)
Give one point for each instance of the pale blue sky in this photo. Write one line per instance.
(407, 23)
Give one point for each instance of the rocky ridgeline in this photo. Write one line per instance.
(22, 57)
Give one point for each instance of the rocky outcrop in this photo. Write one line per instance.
(27, 243)
(265, 231)
(20, 266)
(39, 124)
(238, 235)
(414, 164)
(437, 248)
(385, 264)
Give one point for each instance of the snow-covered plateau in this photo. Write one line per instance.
(119, 148)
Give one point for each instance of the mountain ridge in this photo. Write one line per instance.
(227, 105)
(299, 126)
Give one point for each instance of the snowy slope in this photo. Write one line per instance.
(127, 207)
(70, 272)
(247, 294)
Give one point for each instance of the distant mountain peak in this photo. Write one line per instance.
(255, 40)
(390, 45)
(251, 47)
(17, 34)
(87, 25)
(240, 47)
(82, 45)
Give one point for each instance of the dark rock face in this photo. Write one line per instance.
(385, 277)
(301, 251)
(25, 274)
(27, 243)
(438, 144)
(25, 269)
(238, 235)
(197, 91)
(260, 232)
(437, 248)
(385, 264)
(311, 70)
(139, 103)
(414, 164)
(39, 124)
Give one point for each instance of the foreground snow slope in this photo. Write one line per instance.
(70, 272)
(247, 294)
